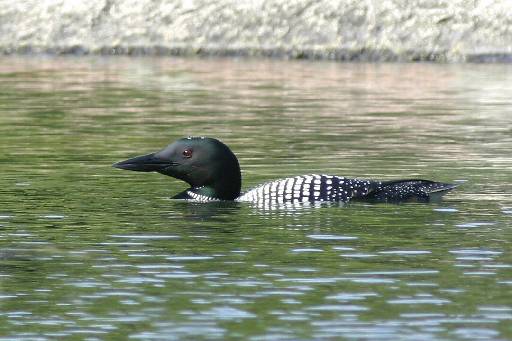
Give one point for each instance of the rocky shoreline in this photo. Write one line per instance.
(344, 30)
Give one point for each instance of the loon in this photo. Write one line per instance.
(213, 173)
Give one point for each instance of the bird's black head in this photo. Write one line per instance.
(199, 161)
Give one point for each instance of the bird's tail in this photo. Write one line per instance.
(410, 190)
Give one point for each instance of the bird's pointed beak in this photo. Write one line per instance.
(145, 163)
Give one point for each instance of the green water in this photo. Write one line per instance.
(95, 253)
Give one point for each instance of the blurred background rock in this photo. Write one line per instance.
(372, 30)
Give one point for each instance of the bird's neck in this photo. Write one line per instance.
(225, 186)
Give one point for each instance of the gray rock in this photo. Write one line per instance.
(375, 30)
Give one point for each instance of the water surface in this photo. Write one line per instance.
(91, 252)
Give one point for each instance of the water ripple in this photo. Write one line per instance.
(330, 237)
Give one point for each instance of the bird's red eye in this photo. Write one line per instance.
(187, 153)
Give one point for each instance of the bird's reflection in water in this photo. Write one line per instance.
(213, 210)
(222, 210)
